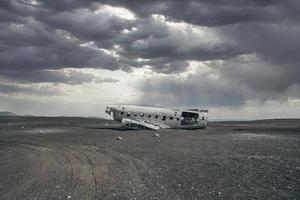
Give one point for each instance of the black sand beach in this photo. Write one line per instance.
(80, 158)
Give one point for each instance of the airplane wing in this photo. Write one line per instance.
(133, 124)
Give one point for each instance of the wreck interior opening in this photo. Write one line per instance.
(189, 118)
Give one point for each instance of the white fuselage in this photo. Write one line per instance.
(160, 117)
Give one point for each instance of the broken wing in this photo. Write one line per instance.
(133, 124)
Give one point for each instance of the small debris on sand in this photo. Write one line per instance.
(156, 135)
(119, 138)
(22, 127)
(186, 164)
(40, 132)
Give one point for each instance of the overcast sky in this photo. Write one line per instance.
(240, 58)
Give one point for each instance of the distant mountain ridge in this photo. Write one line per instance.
(7, 114)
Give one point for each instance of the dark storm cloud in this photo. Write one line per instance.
(71, 77)
(227, 83)
(11, 89)
(173, 67)
(38, 36)
(33, 46)
(191, 91)
(78, 19)
(268, 30)
(89, 26)
(215, 12)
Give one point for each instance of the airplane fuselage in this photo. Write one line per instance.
(156, 117)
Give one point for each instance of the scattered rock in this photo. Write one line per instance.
(219, 193)
(22, 127)
(158, 141)
(156, 135)
(119, 138)
(40, 132)
(68, 197)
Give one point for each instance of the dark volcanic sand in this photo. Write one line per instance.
(80, 158)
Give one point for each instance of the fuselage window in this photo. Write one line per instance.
(171, 118)
(142, 114)
(149, 115)
(164, 118)
(128, 114)
(122, 113)
(156, 116)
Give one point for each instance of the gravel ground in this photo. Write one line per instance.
(88, 158)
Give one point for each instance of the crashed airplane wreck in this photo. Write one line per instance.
(155, 118)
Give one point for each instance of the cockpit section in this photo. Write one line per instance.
(189, 118)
